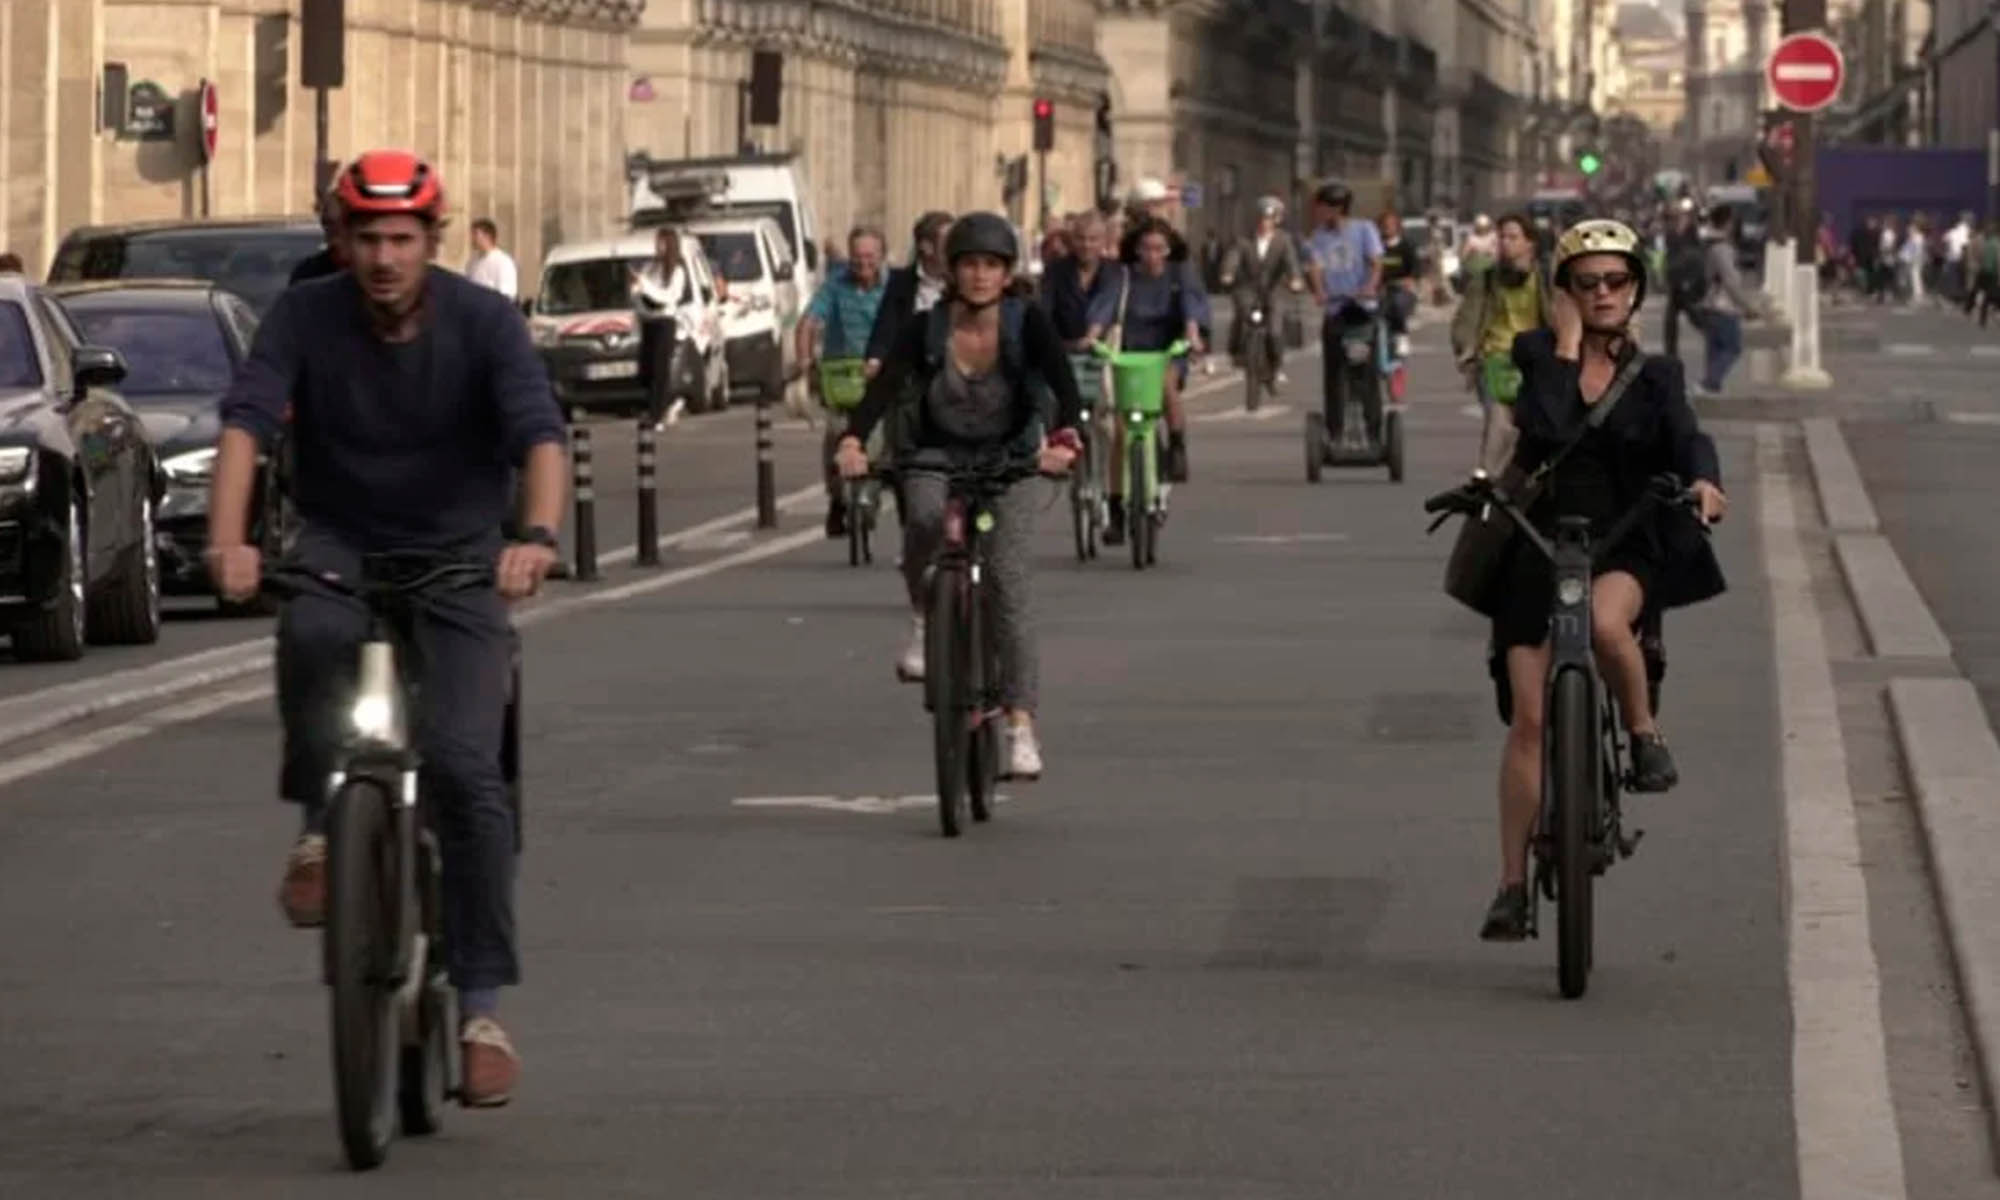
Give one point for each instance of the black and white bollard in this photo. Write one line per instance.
(649, 498)
(586, 498)
(767, 480)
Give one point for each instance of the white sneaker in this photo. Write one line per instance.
(910, 663)
(1402, 349)
(1024, 753)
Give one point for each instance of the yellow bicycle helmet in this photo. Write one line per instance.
(1601, 237)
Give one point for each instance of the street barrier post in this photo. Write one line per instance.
(649, 498)
(767, 480)
(1779, 259)
(586, 498)
(1805, 373)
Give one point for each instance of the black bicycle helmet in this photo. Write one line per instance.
(1335, 194)
(982, 233)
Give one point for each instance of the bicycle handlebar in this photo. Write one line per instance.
(1480, 491)
(426, 574)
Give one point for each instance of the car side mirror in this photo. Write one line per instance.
(98, 366)
(782, 273)
(812, 257)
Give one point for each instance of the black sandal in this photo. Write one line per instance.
(1507, 917)
(1653, 767)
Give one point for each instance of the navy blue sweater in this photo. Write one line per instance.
(398, 446)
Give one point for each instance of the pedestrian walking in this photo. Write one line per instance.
(660, 293)
(490, 266)
(1727, 303)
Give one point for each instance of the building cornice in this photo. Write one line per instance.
(603, 14)
(1067, 69)
(858, 33)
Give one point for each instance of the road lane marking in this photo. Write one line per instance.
(1973, 418)
(866, 805)
(1908, 349)
(31, 714)
(1844, 1120)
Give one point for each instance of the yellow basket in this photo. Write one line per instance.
(842, 382)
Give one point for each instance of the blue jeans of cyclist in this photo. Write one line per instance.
(464, 645)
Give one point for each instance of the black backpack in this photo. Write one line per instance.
(1687, 274)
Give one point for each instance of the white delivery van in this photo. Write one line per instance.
(749, 185)
(760, 297)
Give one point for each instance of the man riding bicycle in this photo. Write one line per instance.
(836, 325)
(1346, 255)
(416, 395)
(971, 375)
(1254, 267)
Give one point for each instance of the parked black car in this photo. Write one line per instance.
(183, 340)
(79, 486)
(250, 256)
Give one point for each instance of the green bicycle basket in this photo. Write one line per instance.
(1503, 378)
(1139, 377)
(843, 381)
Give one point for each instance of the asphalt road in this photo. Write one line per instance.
(1225, 949)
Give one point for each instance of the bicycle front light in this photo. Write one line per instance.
(374, 717)
(1569, 592)
(15, 462)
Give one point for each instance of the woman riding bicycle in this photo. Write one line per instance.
(973, 373)
(1599, 471)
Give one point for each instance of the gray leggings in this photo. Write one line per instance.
(1007, 551)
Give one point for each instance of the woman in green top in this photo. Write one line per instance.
(1509, 298)
(1985, 255)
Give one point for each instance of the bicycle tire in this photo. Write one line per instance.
(1572, 791)
(1080, 510)
(361, 882)
(1139, 502)
(945, 671)
(857, 537)
(1253, 372)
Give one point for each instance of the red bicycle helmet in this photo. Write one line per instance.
(385, 182)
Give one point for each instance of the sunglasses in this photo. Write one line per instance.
(1616, 281)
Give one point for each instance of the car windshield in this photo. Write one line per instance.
(734, 255)
(588, 285)
(20, 366)
(256, 264)
(167, 351)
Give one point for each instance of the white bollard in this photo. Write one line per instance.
(1779, 259)
(1806, 375)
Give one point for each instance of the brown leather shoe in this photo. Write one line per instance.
(491, 1066)
(303, 893)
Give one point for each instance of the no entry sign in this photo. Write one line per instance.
(211, 121)
(1805, 72)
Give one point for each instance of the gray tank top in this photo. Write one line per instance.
(971, 408)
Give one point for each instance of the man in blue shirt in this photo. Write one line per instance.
(416, 396)
(1346, 277)
(844, 311)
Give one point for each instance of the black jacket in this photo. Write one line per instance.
(1653, 431)
(899, 304)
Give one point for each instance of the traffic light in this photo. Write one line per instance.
(1588, 162)
(1045, 124)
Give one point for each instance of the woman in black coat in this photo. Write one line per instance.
(1598, 472)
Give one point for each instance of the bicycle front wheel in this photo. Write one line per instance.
(944, 670)
(1571, 791)
(1139, 498)
(363, 888)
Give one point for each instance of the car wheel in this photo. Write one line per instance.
(125, 611)
(55, 634)
(721, 398)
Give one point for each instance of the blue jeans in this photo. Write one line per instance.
(1722, 333)
(465, 646)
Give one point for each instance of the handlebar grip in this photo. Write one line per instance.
(1443, 502)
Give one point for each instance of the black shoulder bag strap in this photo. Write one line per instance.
(1599, 413)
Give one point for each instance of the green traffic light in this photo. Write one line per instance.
(1588, 163)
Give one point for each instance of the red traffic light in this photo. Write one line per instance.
(1044, 109)
(1045, 124)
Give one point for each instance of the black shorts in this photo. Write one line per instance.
(1529, 588)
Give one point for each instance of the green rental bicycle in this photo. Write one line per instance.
(1086, 487)
(1139, 390)
(842, 383)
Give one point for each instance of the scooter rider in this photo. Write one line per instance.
(1346, 256)
(1252, 268)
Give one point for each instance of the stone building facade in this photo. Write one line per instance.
(517, 101)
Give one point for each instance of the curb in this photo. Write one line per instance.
(1843, 497)
(1952, 763)
(1893, 613)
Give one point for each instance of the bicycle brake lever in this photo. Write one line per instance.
(1441, 519)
